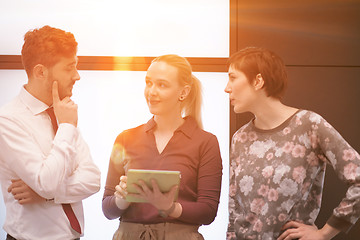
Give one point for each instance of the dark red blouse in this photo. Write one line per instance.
(191, 150)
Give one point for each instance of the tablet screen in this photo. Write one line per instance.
(165, 180)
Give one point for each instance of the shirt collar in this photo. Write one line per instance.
(150, 125)
(188, 127)
(35, 105)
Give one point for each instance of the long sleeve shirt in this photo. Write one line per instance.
(56, 167)
(277, 176)
(191, 150)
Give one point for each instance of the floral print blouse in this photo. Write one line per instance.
(277, 175)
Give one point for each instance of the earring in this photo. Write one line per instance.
(181, 98)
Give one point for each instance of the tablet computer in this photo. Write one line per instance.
(165, 179)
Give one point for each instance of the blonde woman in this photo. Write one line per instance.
(172, 139)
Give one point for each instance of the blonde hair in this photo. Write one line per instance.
(191, 106)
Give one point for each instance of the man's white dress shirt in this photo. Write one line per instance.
(56, 167)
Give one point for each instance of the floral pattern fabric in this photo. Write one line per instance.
(277, 175)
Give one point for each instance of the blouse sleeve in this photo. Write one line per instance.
(115, 170)
(346, 163)
(204, 210)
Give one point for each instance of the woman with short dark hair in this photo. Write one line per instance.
(278, 159)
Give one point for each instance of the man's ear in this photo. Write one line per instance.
(258, 82)
(40, 71)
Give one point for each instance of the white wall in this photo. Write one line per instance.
(123, 28)
(111, 101)
(106, 99)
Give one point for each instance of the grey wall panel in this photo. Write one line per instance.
(319, 41)
(308, 32)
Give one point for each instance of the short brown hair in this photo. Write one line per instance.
(254, 60)
(45, 46)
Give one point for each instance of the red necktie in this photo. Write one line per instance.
(51, 113)
(66, 206)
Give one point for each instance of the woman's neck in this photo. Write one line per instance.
(272, 113)
(168, 123)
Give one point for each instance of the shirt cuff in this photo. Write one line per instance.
(339, 224)
(66, 132)
(110, 209)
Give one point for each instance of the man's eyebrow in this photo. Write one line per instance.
(76, 61)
